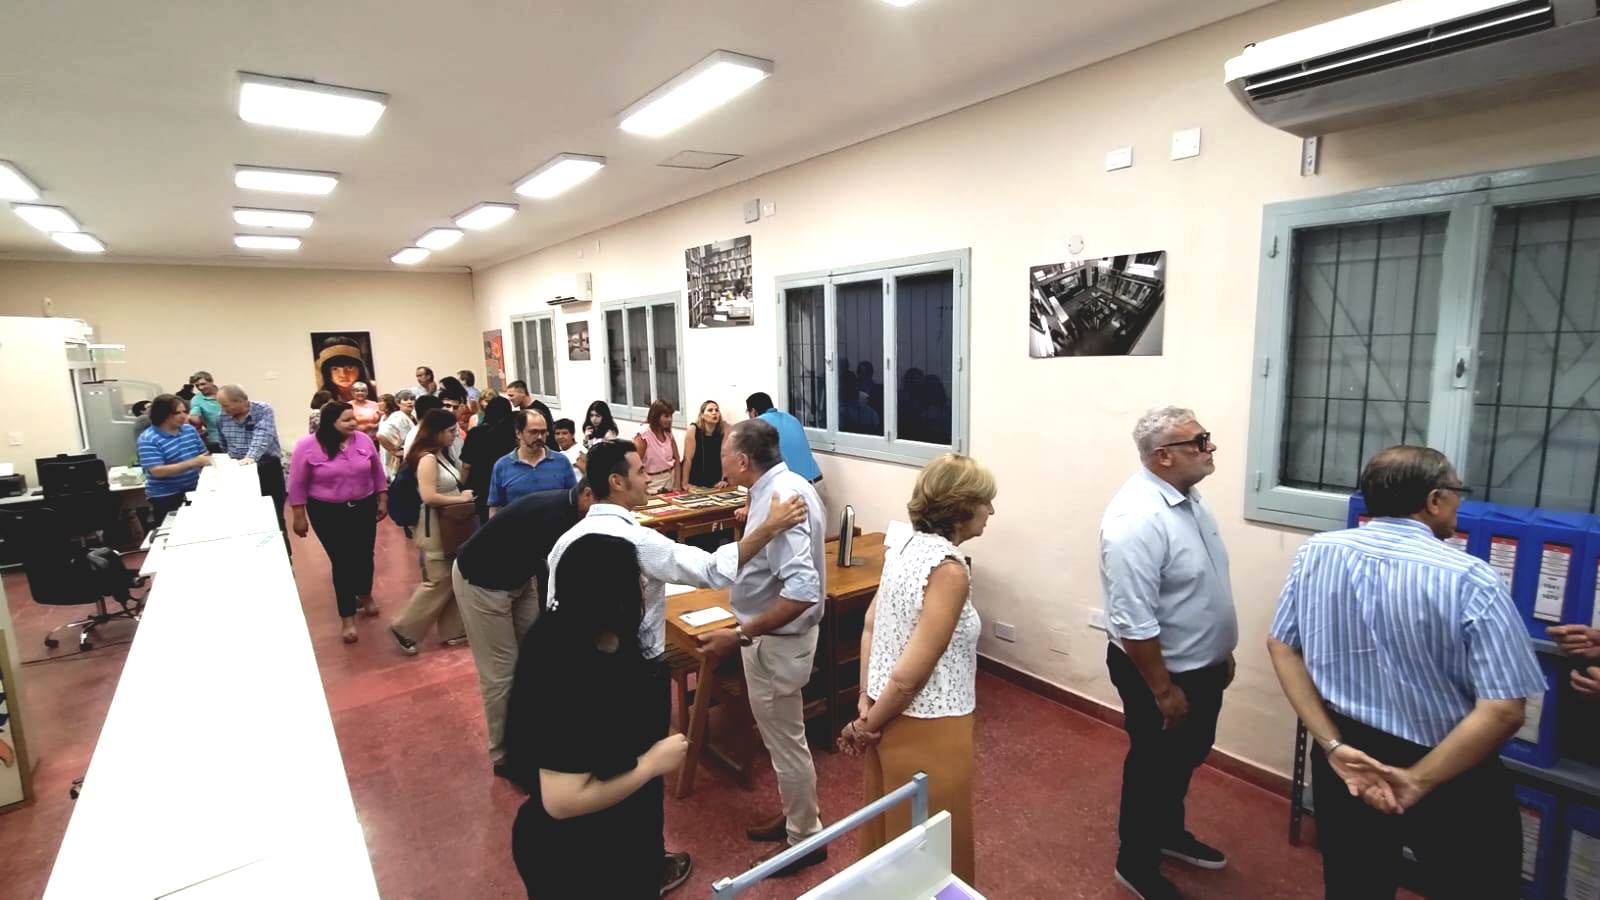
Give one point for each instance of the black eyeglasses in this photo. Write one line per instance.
(1200, 442)
(1461, 489)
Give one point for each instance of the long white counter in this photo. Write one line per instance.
(217, 773)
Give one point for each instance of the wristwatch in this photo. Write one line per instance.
(745, 640)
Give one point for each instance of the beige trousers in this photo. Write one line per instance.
(432, 604)
(496, 622)
(776, 669)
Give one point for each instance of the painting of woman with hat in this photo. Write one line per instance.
(343, 360)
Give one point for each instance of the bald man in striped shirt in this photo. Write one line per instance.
(1410, 666)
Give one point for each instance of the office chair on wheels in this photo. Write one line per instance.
(61, 571)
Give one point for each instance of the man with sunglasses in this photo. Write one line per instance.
(1172, 630)
(1410, 666)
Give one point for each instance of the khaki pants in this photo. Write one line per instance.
(433, 604)
(496, 622)
(943, 749)
(776, 669)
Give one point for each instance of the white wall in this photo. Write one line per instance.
(43, 418)
(1012, 179)
(251, 326)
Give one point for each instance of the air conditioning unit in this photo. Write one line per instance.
(1416, 58)
(578, 288)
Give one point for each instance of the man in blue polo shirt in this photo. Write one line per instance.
(794, 447)
(531, 467)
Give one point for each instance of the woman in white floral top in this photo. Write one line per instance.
(920, 661)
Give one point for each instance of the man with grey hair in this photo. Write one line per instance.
(1172, 630)
(250, 435)
(777, 599)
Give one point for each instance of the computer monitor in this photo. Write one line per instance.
(68, 474)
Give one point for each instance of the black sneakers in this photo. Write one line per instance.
(407, 645)
(1188, 849)
(1149, 884)
(675, 869)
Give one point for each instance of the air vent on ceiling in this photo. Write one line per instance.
(699, 159)
(1424, 43)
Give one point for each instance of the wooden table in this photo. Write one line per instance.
(678, 522)
(848, 592)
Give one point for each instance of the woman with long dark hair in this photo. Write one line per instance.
(598, 424)
(580, 739)
(483, 447)
(337, 484)
(439, 482)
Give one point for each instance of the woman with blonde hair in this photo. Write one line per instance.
(919, 663)
(702, 447)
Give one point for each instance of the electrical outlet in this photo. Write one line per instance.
(1060, 642)
(1120, 158)
(752, 211)
(1005, 631)
(14, 438)
(769, 209)
(1097, 619)
(1186, 143)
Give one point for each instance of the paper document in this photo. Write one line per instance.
(705, 616)
(1532, 819)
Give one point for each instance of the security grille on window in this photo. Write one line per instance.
(534, 337)
(1462, 314)
(642, 356)
(871, 358)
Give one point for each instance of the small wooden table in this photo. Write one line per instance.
(848, 592)
(678, 521)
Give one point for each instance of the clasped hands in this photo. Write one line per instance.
(855, 739)
(1384, 788)
(1580, 642)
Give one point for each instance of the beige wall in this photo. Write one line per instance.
(1012, 179)
(33, 355)
(252, 326)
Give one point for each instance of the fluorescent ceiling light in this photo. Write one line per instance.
(703, 87)
(271, 218)
(46, 218)
(559, 175)
(899, 2)
(485, 216)
(284, 181)
(14, 185)
(308, 106)
(266, 242)
(439, 238)
(78, 242)
(410, 256)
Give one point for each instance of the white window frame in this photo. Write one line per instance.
(1470, 201)
(629, 409)
(529, 358)
(887, 448)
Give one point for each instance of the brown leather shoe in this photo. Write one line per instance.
(773, 830)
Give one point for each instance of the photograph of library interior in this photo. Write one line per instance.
(848, 450)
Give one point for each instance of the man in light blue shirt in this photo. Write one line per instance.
(777, 599)
(1409, 665)
(1172, 630)
(795, 448)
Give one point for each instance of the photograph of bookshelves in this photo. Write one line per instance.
(719, 280)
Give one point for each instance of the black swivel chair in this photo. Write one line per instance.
(62, 572)
(78, 489)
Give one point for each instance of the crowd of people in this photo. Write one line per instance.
(1406, 658)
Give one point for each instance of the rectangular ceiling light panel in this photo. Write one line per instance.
(271, 218)
(78, 242)
(485, 216)
(266, 242)
(284, 181)
(560, 175)
(308, 106)
(703, 87)
(47, 219)
(14, 185)
(439, 239)
(410, 256)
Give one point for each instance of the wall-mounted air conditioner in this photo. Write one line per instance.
(577, 289)
(1416, 58)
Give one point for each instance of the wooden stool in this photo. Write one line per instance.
(727, 691)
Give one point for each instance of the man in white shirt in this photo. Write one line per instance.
(619, 484)
(1172, 630)
(566, 434)
(778, 601)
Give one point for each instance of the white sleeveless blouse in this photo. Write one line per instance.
(952, 688)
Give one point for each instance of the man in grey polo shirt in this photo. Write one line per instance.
(1172, 630)
(777, 599)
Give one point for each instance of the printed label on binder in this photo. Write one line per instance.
(1551, 596)
(1458, 541)
(1531, 819)
(1530, 719)
(1503, 557)
(1583, 866)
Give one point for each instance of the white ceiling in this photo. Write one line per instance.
(126, 113)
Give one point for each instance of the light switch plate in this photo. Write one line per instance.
(769, 208)
(752, 211)
(1005, 631)
(1120, 158)
(1186, 143)
(14, 438)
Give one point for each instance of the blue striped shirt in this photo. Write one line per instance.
(158, 448)
(1401, 631)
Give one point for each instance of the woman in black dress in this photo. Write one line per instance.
(702, 447)
(582, 735)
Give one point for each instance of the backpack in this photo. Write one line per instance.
(405, 501)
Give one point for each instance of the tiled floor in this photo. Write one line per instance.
(438, 824)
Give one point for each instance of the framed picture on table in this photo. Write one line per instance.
(16, 775)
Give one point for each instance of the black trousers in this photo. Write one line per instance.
(348, 532)
(656, 789)
(1160, 761)
(270, 470)
(160, 506)
(1466, 834)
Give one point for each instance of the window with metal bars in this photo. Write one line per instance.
(1463, 314)
(872, 358)
(642, 361)
(534, 337)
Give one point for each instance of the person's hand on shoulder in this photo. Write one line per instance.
(786, 514)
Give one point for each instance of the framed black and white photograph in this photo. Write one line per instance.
(578, 341)
(1111, 306)
(719, 284)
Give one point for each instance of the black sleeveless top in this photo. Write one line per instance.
(705, 470)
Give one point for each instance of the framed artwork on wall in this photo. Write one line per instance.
(1111, 306)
